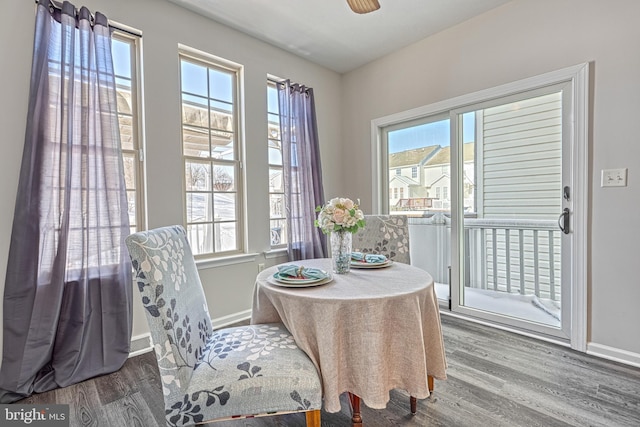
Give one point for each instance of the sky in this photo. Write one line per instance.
(121, 58)
(434, 133)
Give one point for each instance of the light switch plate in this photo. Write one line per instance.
(614, 178)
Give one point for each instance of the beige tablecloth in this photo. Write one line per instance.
(367, 332)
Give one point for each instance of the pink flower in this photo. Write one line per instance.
(338, 216)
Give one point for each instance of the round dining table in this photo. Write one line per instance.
(368, 331)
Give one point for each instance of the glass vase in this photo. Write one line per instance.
(341, 251)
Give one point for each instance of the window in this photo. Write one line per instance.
(125, 59)
(277, 214)
(445, 193)
(211, 155)
(401, 193)
(423, 145)
(398, 171)
(395, 193)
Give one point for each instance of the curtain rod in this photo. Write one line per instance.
(56, 5)
(281, 82)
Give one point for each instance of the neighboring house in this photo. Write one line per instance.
(402, 187)
(439, 190)
(409, 162)
(437, 172)
(424, 173)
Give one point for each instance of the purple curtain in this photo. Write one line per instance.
(67, 297)
(302, 171)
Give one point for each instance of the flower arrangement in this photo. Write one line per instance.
(339, 214)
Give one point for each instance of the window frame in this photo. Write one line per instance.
(137, 152)
(272, 84)
(211, 62)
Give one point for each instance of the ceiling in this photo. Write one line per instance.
(328, 33)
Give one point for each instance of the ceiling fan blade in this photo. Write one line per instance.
(363, 6)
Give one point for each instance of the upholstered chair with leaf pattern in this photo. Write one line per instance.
(212, 375)
(384, 234)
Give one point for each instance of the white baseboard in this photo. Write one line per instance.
(141, 344)
(240, 316)
(614, 354)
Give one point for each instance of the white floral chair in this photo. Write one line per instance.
(212, 375)
(384, 234)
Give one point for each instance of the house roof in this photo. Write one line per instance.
(444, 155)
(410, 157)
(440, 178)
(404, 179)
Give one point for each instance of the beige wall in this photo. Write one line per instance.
(522, 39)
(164, 26)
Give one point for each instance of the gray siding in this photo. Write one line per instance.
(521, 179)
(522, 159)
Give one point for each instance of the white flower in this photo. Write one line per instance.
(339, 214)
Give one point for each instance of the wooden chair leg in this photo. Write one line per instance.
(313, 418)
(414, 402)
(356, 418)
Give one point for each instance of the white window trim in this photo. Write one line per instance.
(212, 258)
(275, 253)
(206, 263)
(123, 32)
(277, 249)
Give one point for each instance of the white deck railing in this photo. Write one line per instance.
(514, 256)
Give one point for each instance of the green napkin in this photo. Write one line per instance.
(372, 258)
(300, 272)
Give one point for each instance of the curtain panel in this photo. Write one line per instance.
(302, 171)
(67, 299)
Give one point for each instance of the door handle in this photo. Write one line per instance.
(564, 217)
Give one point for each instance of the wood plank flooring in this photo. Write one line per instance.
(495, 378)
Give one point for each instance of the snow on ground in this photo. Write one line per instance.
(528, 307)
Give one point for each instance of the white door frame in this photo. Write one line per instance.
(578, 77)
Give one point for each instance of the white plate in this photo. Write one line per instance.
(289, 279)
(300, 283)
(358, 264)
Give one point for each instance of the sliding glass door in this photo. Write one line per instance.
(490, 182)
(510, 183)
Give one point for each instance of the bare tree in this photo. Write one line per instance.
(197, 176)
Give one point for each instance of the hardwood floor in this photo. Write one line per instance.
(495, 378)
